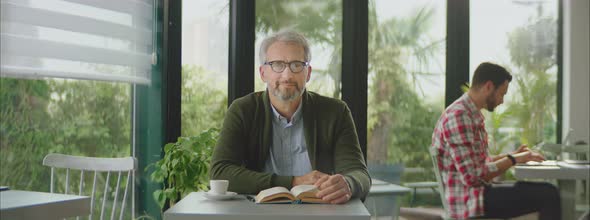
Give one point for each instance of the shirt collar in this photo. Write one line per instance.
(472, 108)
(296, 116)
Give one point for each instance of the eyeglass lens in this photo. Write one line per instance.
(295, 66)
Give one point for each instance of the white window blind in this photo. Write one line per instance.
(110, 40)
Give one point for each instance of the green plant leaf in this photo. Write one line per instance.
(159, 197)
(168, 147)
(174, 163)
(157, 176)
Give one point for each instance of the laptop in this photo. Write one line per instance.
(573, 161)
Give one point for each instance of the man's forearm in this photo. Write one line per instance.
(499, 156)
(360, 183)
(502, 164)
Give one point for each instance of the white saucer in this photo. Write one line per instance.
(226, 196)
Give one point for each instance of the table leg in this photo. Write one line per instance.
(396, 208)
(567, 192)
(371, 206)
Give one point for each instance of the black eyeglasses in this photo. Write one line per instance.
(294, 66)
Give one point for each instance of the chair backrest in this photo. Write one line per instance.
(441, 189)
(99, 166)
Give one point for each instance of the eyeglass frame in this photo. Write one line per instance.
(305, 64)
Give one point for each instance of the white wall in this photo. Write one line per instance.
(576, 70)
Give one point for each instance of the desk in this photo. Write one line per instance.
(566, 176)
(195, 206)
(383, 198)
(16, 204)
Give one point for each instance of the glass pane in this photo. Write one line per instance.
(406, 86)
(205, 37)
(75, 117)
(321, 23)
(524, 40)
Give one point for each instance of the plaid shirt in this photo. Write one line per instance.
(460, 139)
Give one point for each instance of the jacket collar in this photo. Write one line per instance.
(310, 126)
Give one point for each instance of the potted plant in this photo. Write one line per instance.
(184, 167)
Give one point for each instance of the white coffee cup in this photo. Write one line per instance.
(218, 187)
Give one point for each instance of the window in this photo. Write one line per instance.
(406, 86)
(321, 23)
(66, 78)
(524, 40)
(205, 33)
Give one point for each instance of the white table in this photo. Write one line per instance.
(16, 204)
(383, 198)
(194, 206)
(566, 176)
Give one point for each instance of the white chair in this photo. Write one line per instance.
(99, 166)
(415, 186)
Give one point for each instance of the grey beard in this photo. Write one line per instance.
(286, 97)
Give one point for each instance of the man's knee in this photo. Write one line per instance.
(546, 190)
(551, 191)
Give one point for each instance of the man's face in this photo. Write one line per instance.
(286, 85)
(497, 96)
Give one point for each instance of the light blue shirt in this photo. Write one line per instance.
(288, 152)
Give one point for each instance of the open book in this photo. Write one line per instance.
(297, 194)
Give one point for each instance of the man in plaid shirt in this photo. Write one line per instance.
(466, 168)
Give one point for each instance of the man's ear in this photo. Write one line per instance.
(308, 73)
(490, 86)
(261, 71)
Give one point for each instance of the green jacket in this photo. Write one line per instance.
(245, 139)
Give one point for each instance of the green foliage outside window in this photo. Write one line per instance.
(74, 117)
(533, 109)
(38, 117)
(203, 103)
(400, 120)
(24, 136)
(533, 51)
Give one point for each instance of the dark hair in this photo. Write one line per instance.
(490, 72)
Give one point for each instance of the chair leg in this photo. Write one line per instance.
(413, 200)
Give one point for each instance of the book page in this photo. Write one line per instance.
(274, 193)
(307, 194)
(298, 190)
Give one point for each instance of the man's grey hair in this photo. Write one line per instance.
(284, 36)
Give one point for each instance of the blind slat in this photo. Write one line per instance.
(78, 39)
(46, 18)
(36, 73)
(133, 7)
(30, 47)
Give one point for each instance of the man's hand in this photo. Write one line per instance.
(333, 189)
(527, 156)
(309, 178)
(522, 148)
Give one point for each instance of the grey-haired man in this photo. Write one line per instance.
(288, 136)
